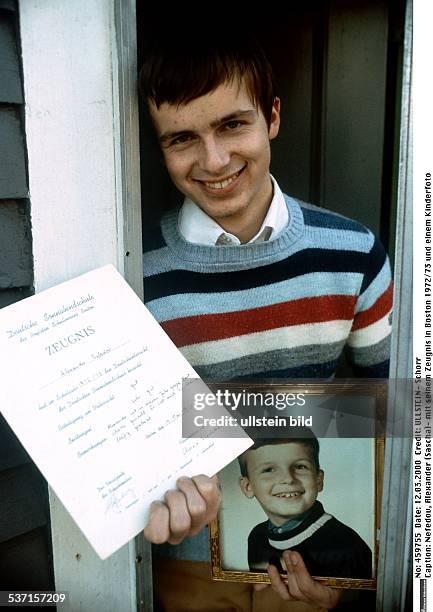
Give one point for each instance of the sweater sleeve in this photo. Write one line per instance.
(368, 345)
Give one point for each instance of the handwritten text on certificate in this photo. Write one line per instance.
(92, 387)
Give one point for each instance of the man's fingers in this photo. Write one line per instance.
(302, 586)
(277, 584)
(297, 576)
(157, 529)
(209, 489)
(180, 519)
(186, 510)
(261, 586)
(197, 506)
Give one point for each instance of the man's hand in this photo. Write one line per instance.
(185, 511)
(300, 585)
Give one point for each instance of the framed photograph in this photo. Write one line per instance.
(319, 496)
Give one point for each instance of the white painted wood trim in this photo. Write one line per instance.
(77, 194)
(92, 585)
(395, 536)
(127, 141)
(128, 154)
(69, 109)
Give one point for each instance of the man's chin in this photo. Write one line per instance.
(222, 209)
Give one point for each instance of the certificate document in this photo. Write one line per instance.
(92, 387)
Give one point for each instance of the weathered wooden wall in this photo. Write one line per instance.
(25, 556)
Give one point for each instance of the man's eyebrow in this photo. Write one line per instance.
(166, 136)
(239, 114)
(270, 462)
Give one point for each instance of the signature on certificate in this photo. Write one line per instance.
(118, 501)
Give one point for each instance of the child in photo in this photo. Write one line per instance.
(284, 475)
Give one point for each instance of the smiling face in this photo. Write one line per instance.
(283, 478)
(216, 149)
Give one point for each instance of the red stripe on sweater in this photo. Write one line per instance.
(204, 328)
(380, 308)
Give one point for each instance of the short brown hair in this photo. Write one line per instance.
(178, 71)
(309, 440)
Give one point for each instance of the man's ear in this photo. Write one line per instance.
(274, 125)
(320, 480)
(245, 485)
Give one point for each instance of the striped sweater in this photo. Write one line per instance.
(285, 308)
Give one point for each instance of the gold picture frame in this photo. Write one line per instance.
(374, 390)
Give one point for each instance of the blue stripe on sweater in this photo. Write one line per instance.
(315, 370)
(378, 257)
(322, 218)
(321, 238)
(379, 370)
(376, 288)
(305, 262)
(309, 285)
(164, 260)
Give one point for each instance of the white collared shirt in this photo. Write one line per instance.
(197, 227)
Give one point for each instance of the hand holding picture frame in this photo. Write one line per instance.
(328, 509)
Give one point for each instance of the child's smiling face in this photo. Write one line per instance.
(283, 478)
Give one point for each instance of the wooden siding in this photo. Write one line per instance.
(25, 557)
(15, 240)
(10, 76)
(20, 562)
(10, 296)
(12, 454)
(13, 179)
(23, 501)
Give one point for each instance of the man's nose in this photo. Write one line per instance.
(214, 156)
(289, 476)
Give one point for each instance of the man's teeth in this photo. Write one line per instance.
(223, 184)
(288, 495)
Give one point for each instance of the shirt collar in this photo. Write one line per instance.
(197, 227)
(291, 523)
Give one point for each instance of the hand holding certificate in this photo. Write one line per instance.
(101, 408)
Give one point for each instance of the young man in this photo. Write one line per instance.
(284, 475)
(248, 282)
